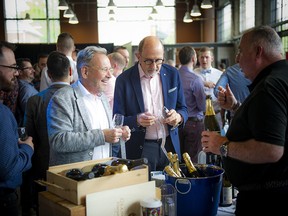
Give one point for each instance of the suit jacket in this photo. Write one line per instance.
(128, 100)
(36, 126)
(70, 132)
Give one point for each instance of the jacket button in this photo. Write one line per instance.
(90, 153)
(141, 147)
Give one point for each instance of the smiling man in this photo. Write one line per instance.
(146, 88)
(79, 117)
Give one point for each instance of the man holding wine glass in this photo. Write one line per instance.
(141, 92)
(79, 117)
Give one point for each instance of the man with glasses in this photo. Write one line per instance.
(15, 155)
(79, 117)
(141, 93)
(26, 87)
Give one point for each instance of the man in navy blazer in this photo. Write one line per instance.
(141, 92)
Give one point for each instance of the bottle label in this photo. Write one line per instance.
(227, 196)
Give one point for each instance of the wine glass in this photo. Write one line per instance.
(118, 120)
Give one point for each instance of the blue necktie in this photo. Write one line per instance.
(206, 71)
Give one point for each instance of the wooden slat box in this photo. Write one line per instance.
(52, 205)
(75, 191)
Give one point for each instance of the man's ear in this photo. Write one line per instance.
(70, 71)
(84, 72)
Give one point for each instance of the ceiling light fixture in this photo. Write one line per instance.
(159, 4)
(68, 13)
(187, 18)
(195, 10)
(111, 13)
(111, 5)
(73, 20)
(154, 13)
(206, 4)
(63, 5)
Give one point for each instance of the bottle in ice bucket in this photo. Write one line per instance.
(169, 170)
(130, 163)
(78, 175)
(192, 171)
(173, 158)
(211, 124)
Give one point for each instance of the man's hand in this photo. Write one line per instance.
(226, 98)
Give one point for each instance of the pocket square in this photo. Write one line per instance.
(171, 90)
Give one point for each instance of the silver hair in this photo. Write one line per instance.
(85, 56)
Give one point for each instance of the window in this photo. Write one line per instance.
(224, 23)
(29, 21)
(132, 23)
(247, 14)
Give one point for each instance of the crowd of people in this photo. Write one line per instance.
(66, 103)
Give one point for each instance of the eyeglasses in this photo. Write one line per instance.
(104, 69)
(29, 68)
(14, 67)
(156, 61)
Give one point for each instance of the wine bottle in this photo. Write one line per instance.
(130, 163)
(173, 158)
(104, 170)
(226, 192)
(190, 166)
(78, 175)
(211, 124)
(170, 171)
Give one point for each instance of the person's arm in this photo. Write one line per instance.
(250, 151)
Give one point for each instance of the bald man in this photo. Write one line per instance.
(141, 92)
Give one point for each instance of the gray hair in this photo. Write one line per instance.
(85, 56)
(268, 38)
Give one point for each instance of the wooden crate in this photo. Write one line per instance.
(76, 191)
(50, 204)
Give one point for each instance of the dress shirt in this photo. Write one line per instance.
(110, 90)
(153, 102)
(237, 82)
(98, 119)
(46, 81)
(194, 92)
(213, 76)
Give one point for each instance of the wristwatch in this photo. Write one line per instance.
(224, 149)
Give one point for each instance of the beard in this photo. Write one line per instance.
(7, 86)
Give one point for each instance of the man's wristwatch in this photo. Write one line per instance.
(224, 149)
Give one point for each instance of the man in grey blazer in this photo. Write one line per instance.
(59, 71)
(79, 117)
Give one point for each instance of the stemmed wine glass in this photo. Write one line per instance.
(118, 120)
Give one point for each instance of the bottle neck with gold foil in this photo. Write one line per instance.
(209, 107)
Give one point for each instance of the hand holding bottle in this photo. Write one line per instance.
(211, 141)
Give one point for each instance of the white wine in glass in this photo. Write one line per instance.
(118, 120)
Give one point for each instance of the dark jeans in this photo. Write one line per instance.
(8, 202)
(157, 160)
(190, 138)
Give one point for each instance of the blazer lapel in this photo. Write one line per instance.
(81, 106)
(137, 87)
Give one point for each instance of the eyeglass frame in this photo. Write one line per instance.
(151, 61)
(16, 67)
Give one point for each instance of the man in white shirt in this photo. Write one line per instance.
(210, 76)
(79, 118)
(65, 44)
